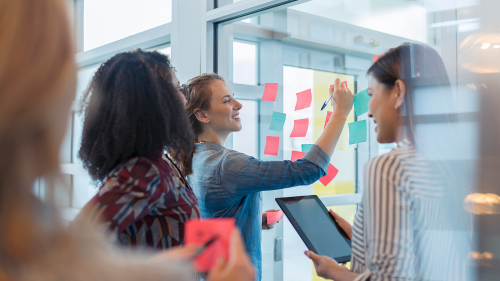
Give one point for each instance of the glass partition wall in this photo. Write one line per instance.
(299, 44)
(307, 45)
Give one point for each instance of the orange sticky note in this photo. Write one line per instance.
(199, 232)
(296, 155)
(274, 217)
(330, 174)
(270, 91)
(304, 100)
(272, 145)
(300, 128)
(328, 116)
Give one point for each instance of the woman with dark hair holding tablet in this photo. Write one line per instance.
(229, 183)
(402, 230)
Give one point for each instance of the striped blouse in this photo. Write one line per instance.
(145, 203)
(401, 230)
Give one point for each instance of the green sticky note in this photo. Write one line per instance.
(278, 121)
(357, 132)
(306, 147)
(361, 102)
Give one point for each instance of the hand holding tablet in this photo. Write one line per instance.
(318, 228)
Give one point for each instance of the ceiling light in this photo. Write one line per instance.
(486, 45)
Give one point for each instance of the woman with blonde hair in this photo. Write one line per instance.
(37, 87)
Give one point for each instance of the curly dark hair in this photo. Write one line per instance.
(132, 110)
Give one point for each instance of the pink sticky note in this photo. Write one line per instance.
(272, 145)
(274, 217)
(304, 99)
(270, 91)
(330, 174)
(375, 58)
(296, 155)
(199, 232)
(328, 116)
(300, 128)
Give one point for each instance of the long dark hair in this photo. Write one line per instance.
(198, 94)
(410, 62)
(132, 110)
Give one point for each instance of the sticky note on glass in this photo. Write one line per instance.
(328, 116)
(304, 100)
(357, 132)
(330, 175)
(300, 128)
(375, 58)
(198, 232)
(277, 121)
(361, 101)
(296, 155)
(306, 147)
(270, 91)
(272, 145)
(274, 217)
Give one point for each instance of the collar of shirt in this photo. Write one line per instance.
(209, 146)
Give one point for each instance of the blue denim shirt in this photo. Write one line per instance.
(228, 183)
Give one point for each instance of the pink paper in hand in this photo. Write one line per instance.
(270, 91)
(328, 116)
(274, 217)
(300, 128)
(304, 100)
(272, 145)
(198, 232)
(330, 174)
(296, 155)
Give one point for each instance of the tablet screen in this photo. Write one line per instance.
(316, 227)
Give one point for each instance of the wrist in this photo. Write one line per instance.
(339, 114)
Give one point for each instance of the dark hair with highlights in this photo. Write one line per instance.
(198, 94)
(408, 62)
(132, 110)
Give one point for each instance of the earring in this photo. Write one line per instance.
(396, 106)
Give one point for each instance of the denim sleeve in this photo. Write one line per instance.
(242, 174)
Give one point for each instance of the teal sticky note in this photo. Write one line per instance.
(278, 121)
(306, 147)
(357, 132)
(361, 102)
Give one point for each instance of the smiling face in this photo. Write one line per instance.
(382, 108)
(224, 111)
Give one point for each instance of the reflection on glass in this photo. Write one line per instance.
(245, 63)
(106, 21)
(482, 204)
(404, 19)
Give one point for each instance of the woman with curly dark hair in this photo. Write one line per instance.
(134, 112)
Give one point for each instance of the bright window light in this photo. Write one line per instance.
(245, 63)
(106, 21)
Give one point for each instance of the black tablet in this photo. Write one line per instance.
(317, 227)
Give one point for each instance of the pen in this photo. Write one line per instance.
(326, 102)
(330, 98)
(205, 246)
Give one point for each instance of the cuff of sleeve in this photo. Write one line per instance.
(317, 156)
(365, 276)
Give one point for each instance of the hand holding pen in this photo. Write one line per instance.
(341, 97)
